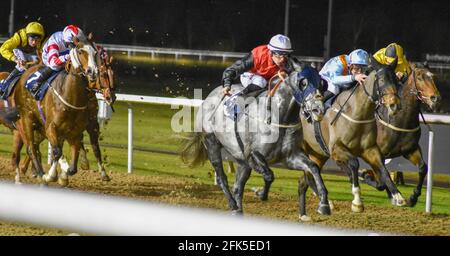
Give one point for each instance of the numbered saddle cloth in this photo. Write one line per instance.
(40, 93)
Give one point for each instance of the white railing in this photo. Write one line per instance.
(107, 215)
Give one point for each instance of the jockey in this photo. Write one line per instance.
(55, 53)
(387, 56)
(341, 72)
(24, 46)
(257, 67)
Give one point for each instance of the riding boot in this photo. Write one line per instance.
(250, 88)
(4, 84)
(327, 95)
(45, 72)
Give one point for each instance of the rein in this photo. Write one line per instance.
(398, 129)
(65, 102)
(351, 119)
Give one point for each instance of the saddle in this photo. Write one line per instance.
(234, 110)
(41, 91)
(6, 87)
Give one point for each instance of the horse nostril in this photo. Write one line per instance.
(435, 98)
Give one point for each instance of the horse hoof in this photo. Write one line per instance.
(357, 208)
(412, 201)
(262, 196)
(63, 182)
(398, 202)
(237, 212)
(106, 178)
(71, 171)
(46, 178)
(305, 218)
(331, 204)
(18, 182)
(324, 209)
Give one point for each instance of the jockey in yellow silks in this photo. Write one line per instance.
(387, 56)
(24, 46)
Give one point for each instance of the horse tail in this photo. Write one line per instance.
(193, 150)
(8, 117)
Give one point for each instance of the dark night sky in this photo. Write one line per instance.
(232, 25)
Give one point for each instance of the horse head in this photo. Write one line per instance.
(424, 88)
(105, 78)
(385, 87)
(83, 61)
(309, 95)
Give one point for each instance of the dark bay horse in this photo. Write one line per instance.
(400, 134)
(353, 134)
(64, 111)
(254, 148)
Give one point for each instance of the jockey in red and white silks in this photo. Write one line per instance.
(56, 50)
(55, 53)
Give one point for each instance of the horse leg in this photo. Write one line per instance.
(84, 162)
(261, 166)
(75, 145)
(63, 179)
(242, 176)
(417, 159)
(93, 131)
(15, 159)
(52, 137)
(299, 161)
(357, 205)
(213, 148)
(374, 158)
(27, 135)
(302, 188)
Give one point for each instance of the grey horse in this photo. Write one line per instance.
(256, 138)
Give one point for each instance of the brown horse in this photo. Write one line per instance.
(400, 136)
(105, 85)
(353, 134)
(64, 107)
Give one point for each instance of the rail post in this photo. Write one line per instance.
(430, 172)
(130, 139)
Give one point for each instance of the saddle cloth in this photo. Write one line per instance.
(40, 93)
(7, 87)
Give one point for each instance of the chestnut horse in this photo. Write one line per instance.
(64, 111)
(105, 85)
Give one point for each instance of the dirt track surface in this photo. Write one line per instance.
(173, 190)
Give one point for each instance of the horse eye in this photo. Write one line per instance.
(304, 82)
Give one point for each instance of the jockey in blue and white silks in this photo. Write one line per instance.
(341, 72)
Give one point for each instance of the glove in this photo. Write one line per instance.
(66, 57)
(226, 89)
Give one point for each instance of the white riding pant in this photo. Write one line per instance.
(251, 78)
